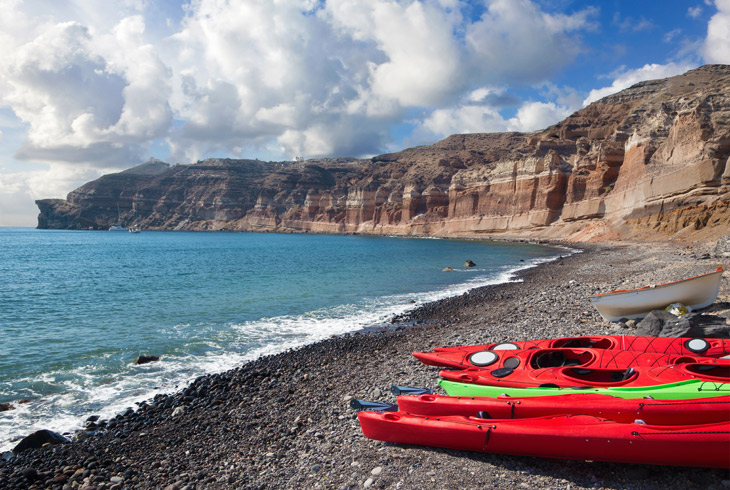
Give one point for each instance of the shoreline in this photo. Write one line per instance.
(283, 420)
(71, 422)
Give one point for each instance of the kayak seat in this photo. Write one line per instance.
(618, 376)
(550, 359)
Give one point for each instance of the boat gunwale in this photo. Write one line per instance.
(719, 270)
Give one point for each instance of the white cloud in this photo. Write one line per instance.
(514, 41)
(694, 12)
(80, 93)
(717, 42)
(294, 75)
(464, 119)
(19, 190)
(626, 78)
(475, 117)
(96, 84)
(537, 115)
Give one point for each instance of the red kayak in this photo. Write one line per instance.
(544, 358)
(582, 437)
(661, 345)
(594, 377)
(653, 412)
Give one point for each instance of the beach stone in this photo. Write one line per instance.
(30, 473)
(368, 483)
(5, 406)
(664, 324)
(38, 439)
(653, 323)
(377, 471)
(696, 325)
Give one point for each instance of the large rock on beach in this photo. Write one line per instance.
(663, 324)
(39, 439)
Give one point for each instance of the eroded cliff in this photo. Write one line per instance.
(648, 162)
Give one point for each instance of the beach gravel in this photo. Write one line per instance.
(284, 421)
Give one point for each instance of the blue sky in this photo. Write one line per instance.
(86, 89)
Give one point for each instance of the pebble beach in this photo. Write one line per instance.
(284, 421)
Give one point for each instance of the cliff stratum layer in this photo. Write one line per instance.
(648, 162)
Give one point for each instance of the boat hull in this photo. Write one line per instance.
(580, 437)
(695, 292)
(690, 389)
(544, 358)
(661, 345)
(715, 370)
(653, 412)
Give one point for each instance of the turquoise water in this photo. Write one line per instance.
(78, 307)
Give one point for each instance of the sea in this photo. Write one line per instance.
(77, 308)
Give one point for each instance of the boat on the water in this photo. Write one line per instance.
(716, 370)
(689, 389)
(134, 229)
(580, 437)
(117, 226)
(554, 357)
(654, 412)
(695, 292)
(664, 345)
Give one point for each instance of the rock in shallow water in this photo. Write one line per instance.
(146, 359)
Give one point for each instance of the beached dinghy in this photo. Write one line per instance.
(662, 345)
(581, 437)
(653, 412)
(685, 390)
(695, 292)
(717, 370)
(545, 358)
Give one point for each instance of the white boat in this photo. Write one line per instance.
(134, 229)
(695, 292)
(116, 226)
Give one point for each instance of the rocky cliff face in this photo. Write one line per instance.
(648, 162)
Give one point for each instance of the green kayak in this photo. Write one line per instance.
(692, 388)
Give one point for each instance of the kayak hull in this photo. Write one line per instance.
(661, 345)
(715, 370)
(695, 292)
(653, 412)
(689, 390)
(555, 357)
(580, 437)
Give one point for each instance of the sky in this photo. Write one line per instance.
(94, 87)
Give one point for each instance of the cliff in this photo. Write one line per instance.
(648, 162)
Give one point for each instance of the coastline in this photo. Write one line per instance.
(283, 421)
